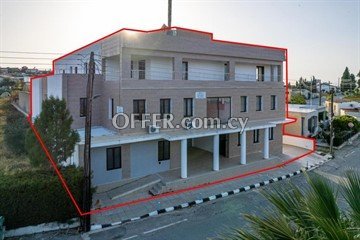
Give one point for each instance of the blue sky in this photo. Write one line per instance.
(322, 36)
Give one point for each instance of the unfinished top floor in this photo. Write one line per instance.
(176, 54)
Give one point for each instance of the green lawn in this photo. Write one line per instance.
(9, 162)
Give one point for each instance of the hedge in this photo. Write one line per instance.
(34, 197)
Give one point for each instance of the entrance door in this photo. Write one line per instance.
(223, 145)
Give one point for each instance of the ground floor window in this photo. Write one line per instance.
(271, 133)
(163, 150)
(256, 136)
(239, 139)
(113, 158)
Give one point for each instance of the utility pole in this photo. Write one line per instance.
(169, 12)
(331, 122)
(319, 92)
(87, 201)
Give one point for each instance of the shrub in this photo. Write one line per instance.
(34, 197)
(341, 124)
(15, 131)
(298, 99)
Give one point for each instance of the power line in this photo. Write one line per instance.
(19, 52)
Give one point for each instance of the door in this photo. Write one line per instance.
(223, 145)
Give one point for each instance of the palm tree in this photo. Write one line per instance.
(308, 214)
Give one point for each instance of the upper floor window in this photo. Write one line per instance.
(256, 136)
(271, 133)
(258, 103)
(219, 107)
(85, 68)
(243, 103)
(76, 70)
(260, 72)
(132, 69)
(185, 70)
(83, 106)
(138, 108)
(164, 107)
(113, 158)
(142, 69)
(188, 107)
(163, 150)
(273, 102)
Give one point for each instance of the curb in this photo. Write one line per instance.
(210, 198)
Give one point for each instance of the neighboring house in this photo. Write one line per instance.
(176, 71)
(307, 117)
(23, 101)
(344, 107)
(295, 91)
(326, 87)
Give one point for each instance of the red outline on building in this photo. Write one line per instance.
(142, 200)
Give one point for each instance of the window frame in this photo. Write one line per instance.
(271, 133)
(163, 106)
(246, 104)
(260, 75)
(186, 113)
(163, 153)
(260, 104)
(142, 69)
(114, 165)
(256, 136)
(273, 102)
(137, 105)
(185, 72)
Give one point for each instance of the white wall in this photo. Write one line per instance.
(144, 159)
(160, 68)
(205, 143)
(245, 72)
(298, 142)
(206, 70)
(36, 97)
(112, 68)
(54, 86)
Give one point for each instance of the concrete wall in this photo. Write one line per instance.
(160, 68)
(37, 92)
(98, 165)
(144, 159)
(54, 86)
(202, 70)
(298, 142)
(24, 101)
(205, 143)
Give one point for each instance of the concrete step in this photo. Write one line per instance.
(157, 189)
(134, 186)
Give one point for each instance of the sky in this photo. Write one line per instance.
(322, 37)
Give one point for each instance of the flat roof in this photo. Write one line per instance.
(303, 108)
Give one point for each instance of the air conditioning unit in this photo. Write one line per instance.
(154, 129)
(189, 125)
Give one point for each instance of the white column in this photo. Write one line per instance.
(184, 158)
(266, 143)
(216, 153)
(243, 147)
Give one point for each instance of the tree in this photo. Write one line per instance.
(297, 99)
(310, 214)
(54, 126)
(347, 81)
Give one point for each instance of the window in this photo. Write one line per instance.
(85, 68)
(138, 109)
(260, 71)
(258, 103)
(185, 70)
(164, 107)
(163, 150)
(302, 126)
(239, 139)
(63, 71)
(256, 136)
(113, 158)
(83, 106)
(111, 108)
(188, 107)
(76, 70)
(142, 69)
(271, 133)
(243, 104)
(226, 72)
(273, 102)
(219, 107)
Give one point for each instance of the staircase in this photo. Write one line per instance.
(158, 188)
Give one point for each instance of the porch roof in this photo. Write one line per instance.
(110, 139)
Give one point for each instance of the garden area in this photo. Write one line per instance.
(30, 190)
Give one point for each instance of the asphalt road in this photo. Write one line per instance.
(215, 218)
(212, 219)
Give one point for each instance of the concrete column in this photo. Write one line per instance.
(266, 143)
(243, 147)
(216, 153)
(231, 70)
(184, 158)
(177, 68)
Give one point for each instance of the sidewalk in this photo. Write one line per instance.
(167, 202)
